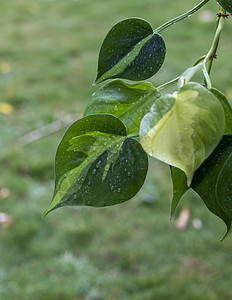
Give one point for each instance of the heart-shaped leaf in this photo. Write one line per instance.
(97, 164)
(130, 50)
(188, 133)
(179, 178)
(213, 181)
(126, 101)
(226, 4)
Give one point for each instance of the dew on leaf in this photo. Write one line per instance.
(98, 164)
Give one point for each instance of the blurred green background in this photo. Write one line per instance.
(48, 60)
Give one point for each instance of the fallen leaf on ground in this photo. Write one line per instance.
(4, 193)
(5, 220)
(6, 108)
(5, 67)
(183, 220)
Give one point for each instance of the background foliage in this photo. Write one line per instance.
(48, 58)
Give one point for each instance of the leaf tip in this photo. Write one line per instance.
(172, 212)
(172, 207)
(229, 230)
(46, 212)
(53, 205)
(98, 80)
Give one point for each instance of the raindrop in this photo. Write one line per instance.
(116, 108)
(94, 171)
(98, 164)
(129, 174)
(118, 190)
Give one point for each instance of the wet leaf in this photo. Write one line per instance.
(227, 109)
(213, 181)
(130, 50)
(128, 102)
(226, 4)
(188, 133)
(97, 164)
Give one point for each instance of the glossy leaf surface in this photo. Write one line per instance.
(226, 4)
(126, 101)
(188, 133)
(213, 181)
(179, 178)
(180, 187)
(97, 165)
(130, 50)
(227, 109)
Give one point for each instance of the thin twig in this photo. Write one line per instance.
(48, 129)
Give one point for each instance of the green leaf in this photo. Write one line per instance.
(213, 181)
(227, 109)
(180, 187)
(188, 133)
(130, 50)
(226, 4)
(126, 101)
(224, 185)
(179, 178)
(97, 164)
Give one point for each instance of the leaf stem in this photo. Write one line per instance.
(166, 84)
(212, 51)
(181, 17)
(208, 61)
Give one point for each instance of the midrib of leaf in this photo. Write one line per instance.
(77, 175)
(125, 61)
(156, 129)
(138, 105)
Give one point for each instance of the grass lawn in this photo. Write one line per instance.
(48, 57)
